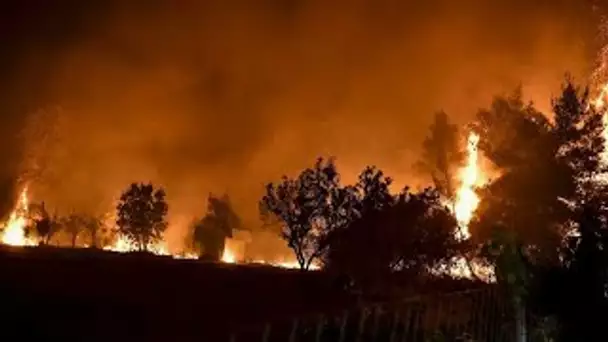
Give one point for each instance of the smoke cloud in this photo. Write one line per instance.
(215, 96)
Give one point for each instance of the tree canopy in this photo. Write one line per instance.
(141, 214)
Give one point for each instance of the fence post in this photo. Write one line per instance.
(343, 327)
(437, 331)
(520, 321)
(376, 323)
(395, 325)
(478, 330)
(266, 335)
(407, 323)
(294, 330)
(361, 327)
(319, 328)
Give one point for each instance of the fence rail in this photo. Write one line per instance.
(475, 315)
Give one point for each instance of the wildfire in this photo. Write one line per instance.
(123, 245)
(466, 199)
(14, 232)
(228, 256)
(599, 103)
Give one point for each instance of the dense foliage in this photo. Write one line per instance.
(141, 214)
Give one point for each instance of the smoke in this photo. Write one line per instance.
(202, 96)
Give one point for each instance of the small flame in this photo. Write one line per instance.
(228, 256)
(123, 245)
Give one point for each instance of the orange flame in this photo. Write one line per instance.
(14, 233)
(466, 199)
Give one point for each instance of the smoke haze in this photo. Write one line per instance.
(223, 96)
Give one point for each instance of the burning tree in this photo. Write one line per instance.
(141, 214)
(43, 224)
(73, 225)
(211, 231)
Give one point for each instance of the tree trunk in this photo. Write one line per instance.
(74, 237)
(94, 239)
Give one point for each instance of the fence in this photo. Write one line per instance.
(474, 315)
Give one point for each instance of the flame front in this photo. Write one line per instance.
(466, 199)
(14, 232)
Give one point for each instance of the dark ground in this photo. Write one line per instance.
(86, 295)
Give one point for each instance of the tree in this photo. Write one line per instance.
(309, 207)
(141, 214)
(409, 235)
(582, 313)
(43, 224)
(373, 190)
(211, 231)
(442, 154)
(73, 225)
(94, 226)
(548, 192)
(522, 143)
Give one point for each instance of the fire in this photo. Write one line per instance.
(598, 79)
(599, 103)
(123, 245)
(464, 205)
(228, 256)
(14, 233)
(466, 199)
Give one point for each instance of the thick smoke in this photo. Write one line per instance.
(223, 96)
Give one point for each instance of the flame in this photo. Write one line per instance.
(123, 245)
(228, 256)
(466, 199)
(599, 103)
(464, 206)
(14, 233)
(599, 80)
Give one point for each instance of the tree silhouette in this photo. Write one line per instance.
(373, 190)
(442, 155)
(533, 182)
(309, 208)
(73, 225)
(408, 235)
(575, 291)
(43, 224)
(548, 192)
(141, 214)
(94, 226)
(211, 231)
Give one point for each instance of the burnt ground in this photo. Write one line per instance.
(88, 295)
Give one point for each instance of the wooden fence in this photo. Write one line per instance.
(474, 315)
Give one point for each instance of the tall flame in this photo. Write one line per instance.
(599, 103)
(466, 199)
(14, 232)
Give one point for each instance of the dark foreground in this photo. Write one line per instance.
(87, 295)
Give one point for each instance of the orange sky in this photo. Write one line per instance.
(224, 96)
